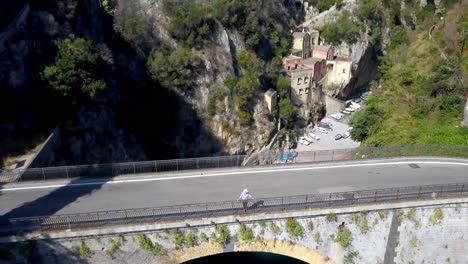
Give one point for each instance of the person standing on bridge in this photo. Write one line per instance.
(245, 197)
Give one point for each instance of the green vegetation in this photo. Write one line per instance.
(204, 237)
(294, 229)
(245, 233)
(419, 96)
(179, 239)
(361, 221)
(331, 216)
(145, 243)
(343, 237)
(115, 246)
(84, 250)
(192, 23)
(222, 234)
(417, 224)
(191, 240)
(275, 228)
(382, 214)
(414, 241)
(343, 30)
(74, 74)
(436, 217)
(175, 69)
(350, 257)
(411, 214)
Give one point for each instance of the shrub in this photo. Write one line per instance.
(411, 214)
(179, 239)
(366, 122)
(382, 214)
(191, 239)
(84, 250)
(343, 237)
(331, 216)
(203, 237)
(75, 72)
(414, 241)
(275, 228)
(245, 233)
(438, 215)
(294, 229)
(310, 225)
(344, 29)
(363, 225)
(351, 256)
(145, 243)
(222, 234)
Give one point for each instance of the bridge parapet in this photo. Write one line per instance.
(267, 158)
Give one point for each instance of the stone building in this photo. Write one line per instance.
(315, 72)
(338, 73)
(271, 100)
(302, 44)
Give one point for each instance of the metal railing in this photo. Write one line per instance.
(171, 213)
(268, 157)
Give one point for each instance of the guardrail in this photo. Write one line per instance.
(146, 215)
(272, 157)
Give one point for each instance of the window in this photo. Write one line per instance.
(289, 68)
(299, 81)
(344, 70)
(295, 67)
(301, 91)
(307, 90)
(306, 80)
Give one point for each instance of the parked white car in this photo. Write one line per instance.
(336, 116)
(349, 109)
(350, 128)
(322, 130)
(346, 135)
(355, 105)
(304, 142)
(346, 112)
(310, 139)
(314, 136)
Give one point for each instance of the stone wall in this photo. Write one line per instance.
(47, 152)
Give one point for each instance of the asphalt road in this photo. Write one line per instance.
(48, 198)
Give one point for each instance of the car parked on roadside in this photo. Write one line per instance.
(322, 130)
(346, 135)
(314, 136)
(338, 136)
(304, 142)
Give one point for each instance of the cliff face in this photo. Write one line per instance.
(139, 117)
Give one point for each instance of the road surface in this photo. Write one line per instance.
(59, 197)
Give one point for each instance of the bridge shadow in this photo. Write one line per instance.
(53, 201)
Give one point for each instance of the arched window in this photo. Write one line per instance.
(344, 70)
(299, 81)
(307, 90)
(306, 80)
(295, 67)
(301, 91)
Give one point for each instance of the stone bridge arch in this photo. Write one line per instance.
(285, 248)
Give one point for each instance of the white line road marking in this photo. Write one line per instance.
(227, 174)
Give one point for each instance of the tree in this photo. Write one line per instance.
(174, 69)
(75, 71)
(366, 122)
(287, 111)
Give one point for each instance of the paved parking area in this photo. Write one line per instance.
(327, 141)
